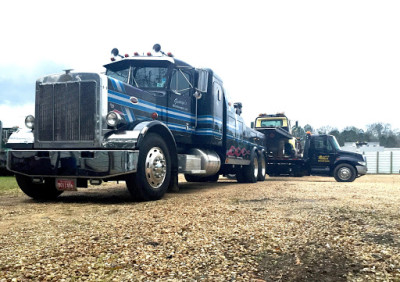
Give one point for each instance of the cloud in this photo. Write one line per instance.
(17, 90)
(17, 83)
(11, 115)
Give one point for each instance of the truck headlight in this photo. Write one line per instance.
(362, 163)
(30, 121)
(113, 119)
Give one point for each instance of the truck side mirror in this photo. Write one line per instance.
(202, 82)
(238, 106)
(252, 124)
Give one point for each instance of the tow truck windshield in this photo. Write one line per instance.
(272, 123)
(140, 74)
(335, 143)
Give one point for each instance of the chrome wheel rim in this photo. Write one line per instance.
(255, 161)
(344, 173)
(156, 167)
(263, 166)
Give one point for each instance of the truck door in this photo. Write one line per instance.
(322, 155)
(180, 105)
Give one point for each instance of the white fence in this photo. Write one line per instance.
(386, 162)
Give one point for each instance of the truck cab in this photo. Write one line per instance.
(278, 131)
(323, 156)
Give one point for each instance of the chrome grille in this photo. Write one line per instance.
(66, 111)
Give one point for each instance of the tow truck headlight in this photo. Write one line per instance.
(113, 119)
(362, 163)
(30, 121)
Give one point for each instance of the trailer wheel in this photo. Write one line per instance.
(153, 175)
(345, 173)
(248, 173)
(262, 168)
(39, 191)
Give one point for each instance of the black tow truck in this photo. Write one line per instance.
(318, 155)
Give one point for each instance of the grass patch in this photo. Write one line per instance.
(8, 184)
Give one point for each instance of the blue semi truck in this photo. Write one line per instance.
(146, 119)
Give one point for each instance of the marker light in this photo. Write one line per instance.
(30, 121)
(113, 119)
(148, 53)
(136, 54)
(126, 55)
(170, 54)
(154, 116)
(112, 59)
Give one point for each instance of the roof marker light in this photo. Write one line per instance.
(136, 54)
(148, 53)
(170, 54)
(112, 59)
(126, 55)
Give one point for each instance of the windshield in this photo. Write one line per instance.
(149, 77)
(271, 123)
(121, 75)
(140, 74)
(335, 143)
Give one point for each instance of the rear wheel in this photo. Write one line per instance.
(153, 175)
(39, 191)
(249, 173)
(345, 173)
(262, 168)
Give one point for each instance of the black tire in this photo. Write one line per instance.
(196, 178)
(344, 173)
(153, 175)
(39, 191)
(248, 173)
(262, 168)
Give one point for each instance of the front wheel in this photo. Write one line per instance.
(153, 175)
(39, 191)
(345, 173)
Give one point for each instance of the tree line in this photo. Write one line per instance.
(376, 132)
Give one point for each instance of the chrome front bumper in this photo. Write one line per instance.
(361, 170)
(75, 163)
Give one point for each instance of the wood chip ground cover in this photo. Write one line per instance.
(285, 229)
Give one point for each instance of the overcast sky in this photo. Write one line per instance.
(323, 63)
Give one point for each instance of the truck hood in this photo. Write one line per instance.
(350, 155)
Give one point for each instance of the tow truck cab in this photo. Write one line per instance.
(323, 156)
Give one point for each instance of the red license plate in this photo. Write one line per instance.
(66, 184)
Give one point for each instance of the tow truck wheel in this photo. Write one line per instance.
(39, 191)
(249, 173)
(262, 168)
(344, 173)
(153, 175)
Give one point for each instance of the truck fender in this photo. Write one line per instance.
(21, 139)
(343, 161)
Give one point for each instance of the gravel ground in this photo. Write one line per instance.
(287, 229)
